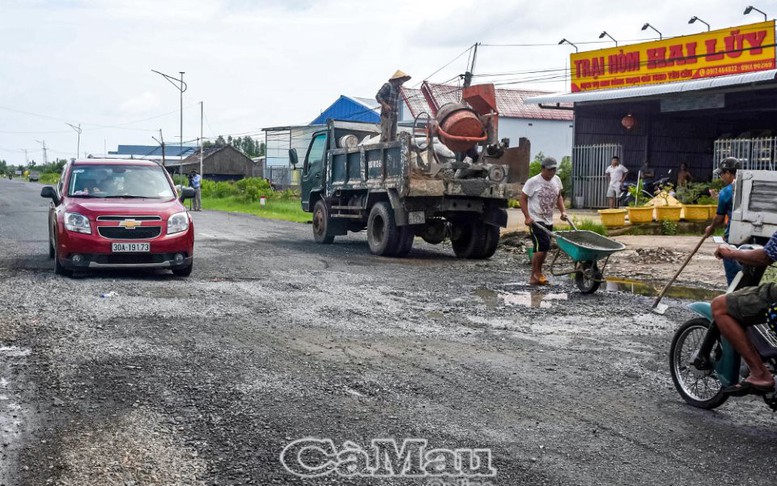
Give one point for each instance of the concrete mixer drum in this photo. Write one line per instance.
(459, 127)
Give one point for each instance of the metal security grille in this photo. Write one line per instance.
(753, 153)
(589, 180)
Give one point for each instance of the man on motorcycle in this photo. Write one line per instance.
(746, 307)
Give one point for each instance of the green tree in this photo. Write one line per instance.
(53, 167)
(565, 174)
(535, 166)
(564, 171)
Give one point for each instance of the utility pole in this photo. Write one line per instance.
(471, 67)
(78, 131)
(161, 142)
(202, 148)
(26, 159)
(180, 86)
(45, 158)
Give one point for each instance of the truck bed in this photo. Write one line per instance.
(392, 165)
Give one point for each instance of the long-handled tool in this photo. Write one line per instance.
(660, 309)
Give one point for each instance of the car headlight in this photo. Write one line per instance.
(178, 222)
(78, 223)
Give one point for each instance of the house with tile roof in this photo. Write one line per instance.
(549, 131)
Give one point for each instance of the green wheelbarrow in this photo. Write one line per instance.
(586, 249)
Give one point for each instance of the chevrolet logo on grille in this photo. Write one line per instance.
(130, 224)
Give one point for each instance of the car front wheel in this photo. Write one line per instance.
(183, 271)
(59, 269)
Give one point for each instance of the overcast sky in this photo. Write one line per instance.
(262, 63)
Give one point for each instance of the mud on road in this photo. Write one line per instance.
(273, 338)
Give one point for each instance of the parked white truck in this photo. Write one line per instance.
(754, 214)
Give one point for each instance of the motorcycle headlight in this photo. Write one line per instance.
(178, 222)
(78, 223)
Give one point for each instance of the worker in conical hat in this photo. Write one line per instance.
(388, 97)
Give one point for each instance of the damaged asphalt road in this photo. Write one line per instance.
(273, 338)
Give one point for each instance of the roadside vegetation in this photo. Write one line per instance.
(245, 196)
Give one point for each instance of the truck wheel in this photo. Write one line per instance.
(406, 237)
(382, 232)
(468, 239)
(490, 241)
(434, 232)
(321, 224)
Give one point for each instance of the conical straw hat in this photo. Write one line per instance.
(399, 75)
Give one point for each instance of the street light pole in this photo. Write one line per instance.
(180, 86)
(180, 141)
(78, 131)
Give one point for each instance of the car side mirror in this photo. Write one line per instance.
(49, 193)
(187, 193)
(293, 158)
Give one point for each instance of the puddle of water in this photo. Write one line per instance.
(538, 300)
(652, 290)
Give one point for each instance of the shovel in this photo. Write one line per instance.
(661, 308)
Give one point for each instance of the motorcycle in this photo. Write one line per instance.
(703, 363)
(649, 188)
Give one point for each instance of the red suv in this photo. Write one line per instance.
(118, 214)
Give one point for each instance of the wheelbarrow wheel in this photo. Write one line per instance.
(588, 277)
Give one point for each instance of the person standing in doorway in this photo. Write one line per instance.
(538, 197)
(684, 176)
(197, 185)
(388, 97)
(727, 171)
(617, 174)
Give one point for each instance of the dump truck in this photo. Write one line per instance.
(448, 178)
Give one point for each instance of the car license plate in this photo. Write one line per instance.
(130, 247)
(416, 217)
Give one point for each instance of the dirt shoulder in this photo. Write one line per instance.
(652, 259)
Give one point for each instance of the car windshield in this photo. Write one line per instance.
(117, 181)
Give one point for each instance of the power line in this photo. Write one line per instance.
(468, 49)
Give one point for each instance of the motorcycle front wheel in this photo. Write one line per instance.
(700, 388)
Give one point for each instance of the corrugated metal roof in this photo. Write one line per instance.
(656, 89)
(171, 150)
(511, 103)
(351, 109)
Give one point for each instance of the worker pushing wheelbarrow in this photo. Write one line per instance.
(586, 249)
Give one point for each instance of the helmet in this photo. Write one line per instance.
(729, 163)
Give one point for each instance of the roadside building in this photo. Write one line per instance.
(224, 163)
(692, 99)
(278, 140)
(350, 108)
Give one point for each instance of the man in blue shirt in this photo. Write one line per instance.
(727, 171)
(746, 307)
(197, 185)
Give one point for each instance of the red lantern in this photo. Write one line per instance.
(628, 122)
